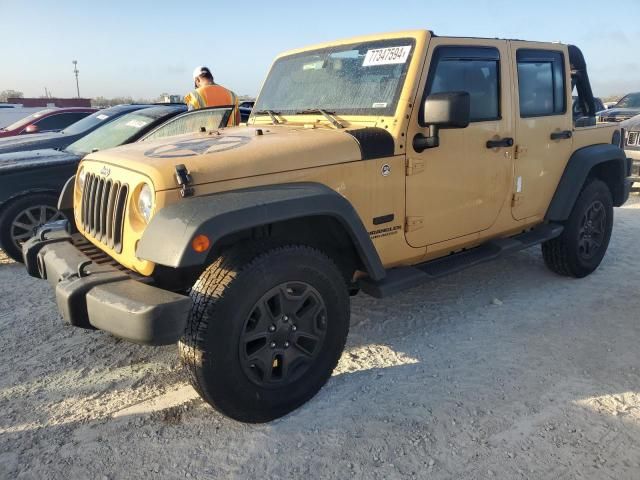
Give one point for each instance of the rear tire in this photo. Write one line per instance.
(22, 217)
(584, 241)
(266, 330)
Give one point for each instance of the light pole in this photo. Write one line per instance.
(76, 71)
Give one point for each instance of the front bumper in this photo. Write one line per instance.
(102, 296)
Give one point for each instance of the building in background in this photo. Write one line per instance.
(50, 102)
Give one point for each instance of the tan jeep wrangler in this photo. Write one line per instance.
(373, 164)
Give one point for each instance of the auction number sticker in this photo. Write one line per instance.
(386, 56)
(135, 123)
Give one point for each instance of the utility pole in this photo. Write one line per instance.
(76, 71)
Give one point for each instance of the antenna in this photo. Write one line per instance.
(76, 71)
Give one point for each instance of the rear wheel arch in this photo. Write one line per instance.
(605, 162)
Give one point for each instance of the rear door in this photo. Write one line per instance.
(460, 187)
(544, 125)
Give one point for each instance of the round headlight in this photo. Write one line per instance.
(81, 176)
(145, 202)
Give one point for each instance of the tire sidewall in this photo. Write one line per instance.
(221, 341)
(595, 190)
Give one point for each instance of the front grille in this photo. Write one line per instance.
(633, 139)
(103, 205)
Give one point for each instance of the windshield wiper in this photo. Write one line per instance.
(271, 113)
(328, 115)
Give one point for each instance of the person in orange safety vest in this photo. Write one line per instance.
(209, 94)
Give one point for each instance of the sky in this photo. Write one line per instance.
(142, 48)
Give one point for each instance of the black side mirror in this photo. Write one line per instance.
(443, 110)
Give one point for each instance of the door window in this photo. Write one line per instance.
(541, 83)
(468, 69)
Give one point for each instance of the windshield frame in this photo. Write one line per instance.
(389, 110)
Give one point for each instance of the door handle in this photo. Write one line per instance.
(503, 142)
(564, 135)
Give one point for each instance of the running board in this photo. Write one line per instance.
(403, 278)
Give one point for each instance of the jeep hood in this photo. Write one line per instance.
(242, 152)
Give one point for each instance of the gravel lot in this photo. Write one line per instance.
(502, 371)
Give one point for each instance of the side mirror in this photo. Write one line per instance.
(32, 129)
(443, 110)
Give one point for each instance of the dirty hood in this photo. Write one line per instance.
(34, 159)
(233, 153)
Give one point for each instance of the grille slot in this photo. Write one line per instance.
(102, 212)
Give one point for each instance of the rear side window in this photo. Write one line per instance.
(60, 121)
(475, 70)
(541, 83)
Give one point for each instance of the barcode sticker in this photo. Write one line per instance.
(386, 56)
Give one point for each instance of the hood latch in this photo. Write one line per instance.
(183, 177)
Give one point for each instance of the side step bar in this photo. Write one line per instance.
(402, 278)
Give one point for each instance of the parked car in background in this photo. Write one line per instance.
(626, 108)
(70, 134)
(632, 145)
(30, 182)
(47, 120)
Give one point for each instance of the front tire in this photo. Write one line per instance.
(21, 219)
(265, 330)
(584, 241)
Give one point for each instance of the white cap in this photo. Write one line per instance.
(202, 70)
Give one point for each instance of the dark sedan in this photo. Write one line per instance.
(30, 182)
(69, 135)
(626, 108)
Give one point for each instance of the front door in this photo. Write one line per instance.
(459, 187)
(544, 125)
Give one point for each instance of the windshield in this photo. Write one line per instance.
(112, 134)
(364, 78)
(629, 101)
(87, 122)
(27, 120)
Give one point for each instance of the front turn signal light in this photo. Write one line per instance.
(200, 243)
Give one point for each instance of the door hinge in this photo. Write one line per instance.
(520, 152)
(413, 223)
(414, 165)
(516, 199)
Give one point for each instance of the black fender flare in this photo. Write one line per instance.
(577, 170)
(168, 236)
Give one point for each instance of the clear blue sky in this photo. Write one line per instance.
(143, 48)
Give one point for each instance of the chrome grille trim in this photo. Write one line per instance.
(633, 139)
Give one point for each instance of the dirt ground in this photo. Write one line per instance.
(503, 371)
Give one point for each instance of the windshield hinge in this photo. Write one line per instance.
(183, 177)
(414, 165)
(413, 223)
